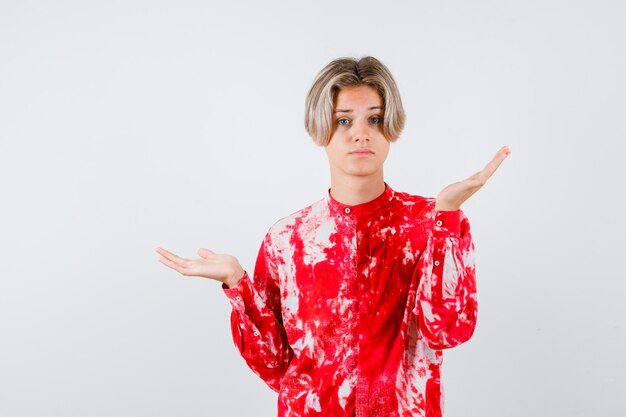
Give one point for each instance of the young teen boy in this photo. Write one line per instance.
(354, 297)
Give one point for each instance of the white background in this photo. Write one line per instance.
(130, 125)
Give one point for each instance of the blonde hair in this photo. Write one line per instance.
(351, 72)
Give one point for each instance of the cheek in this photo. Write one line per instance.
(330, 150)
(384, 151)
(334, 144)
(327, 150)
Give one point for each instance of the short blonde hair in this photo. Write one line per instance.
(351, 72)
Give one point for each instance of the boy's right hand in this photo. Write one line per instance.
(220, 267)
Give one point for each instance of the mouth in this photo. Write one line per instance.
(362, 152)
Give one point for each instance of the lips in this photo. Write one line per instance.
(361, 152)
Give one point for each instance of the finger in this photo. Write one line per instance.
(493, 165)
(171, 264)
(189, 268)
(497, 159)
(474, 180)
(172, 257)
(206, 253)
(162, 251)
(166, 253)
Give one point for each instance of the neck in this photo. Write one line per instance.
(356, 190)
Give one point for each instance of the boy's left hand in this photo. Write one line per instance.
(455, 194)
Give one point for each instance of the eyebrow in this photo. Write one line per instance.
(349, 110)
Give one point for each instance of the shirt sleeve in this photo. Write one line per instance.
(256, 321)
(446, 303)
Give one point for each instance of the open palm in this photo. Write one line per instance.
(220, 267)
(455, 194)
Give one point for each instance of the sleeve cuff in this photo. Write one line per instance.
(448, 223)
(241, 294)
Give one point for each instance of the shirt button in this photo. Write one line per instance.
(238, 298)
(347, 210)
(436, 263)
(256, 333)
(439, 223)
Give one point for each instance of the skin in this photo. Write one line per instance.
(357, 148)
(356, 153)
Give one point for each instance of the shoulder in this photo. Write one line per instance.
(284, 227)
(413, 203)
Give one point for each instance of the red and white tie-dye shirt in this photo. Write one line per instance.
(350, 306)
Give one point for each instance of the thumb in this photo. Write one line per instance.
(205, 253)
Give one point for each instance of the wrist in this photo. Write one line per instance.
(234, 278)
(446, 207)
(446, 204)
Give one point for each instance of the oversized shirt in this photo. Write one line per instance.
(350, 307)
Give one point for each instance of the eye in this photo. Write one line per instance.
(343, 122)
(374, 119)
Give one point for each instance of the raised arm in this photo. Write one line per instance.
(446, 302)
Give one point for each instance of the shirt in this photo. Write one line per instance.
(350, 307)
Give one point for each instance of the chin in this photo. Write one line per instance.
(362, 171)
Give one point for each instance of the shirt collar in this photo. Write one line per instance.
(360, 209)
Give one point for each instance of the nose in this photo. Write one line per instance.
(361, 132)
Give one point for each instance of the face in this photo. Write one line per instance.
(357, 147)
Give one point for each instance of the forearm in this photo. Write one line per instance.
(258, 333)
(446, 301)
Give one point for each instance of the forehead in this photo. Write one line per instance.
(357, 96)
